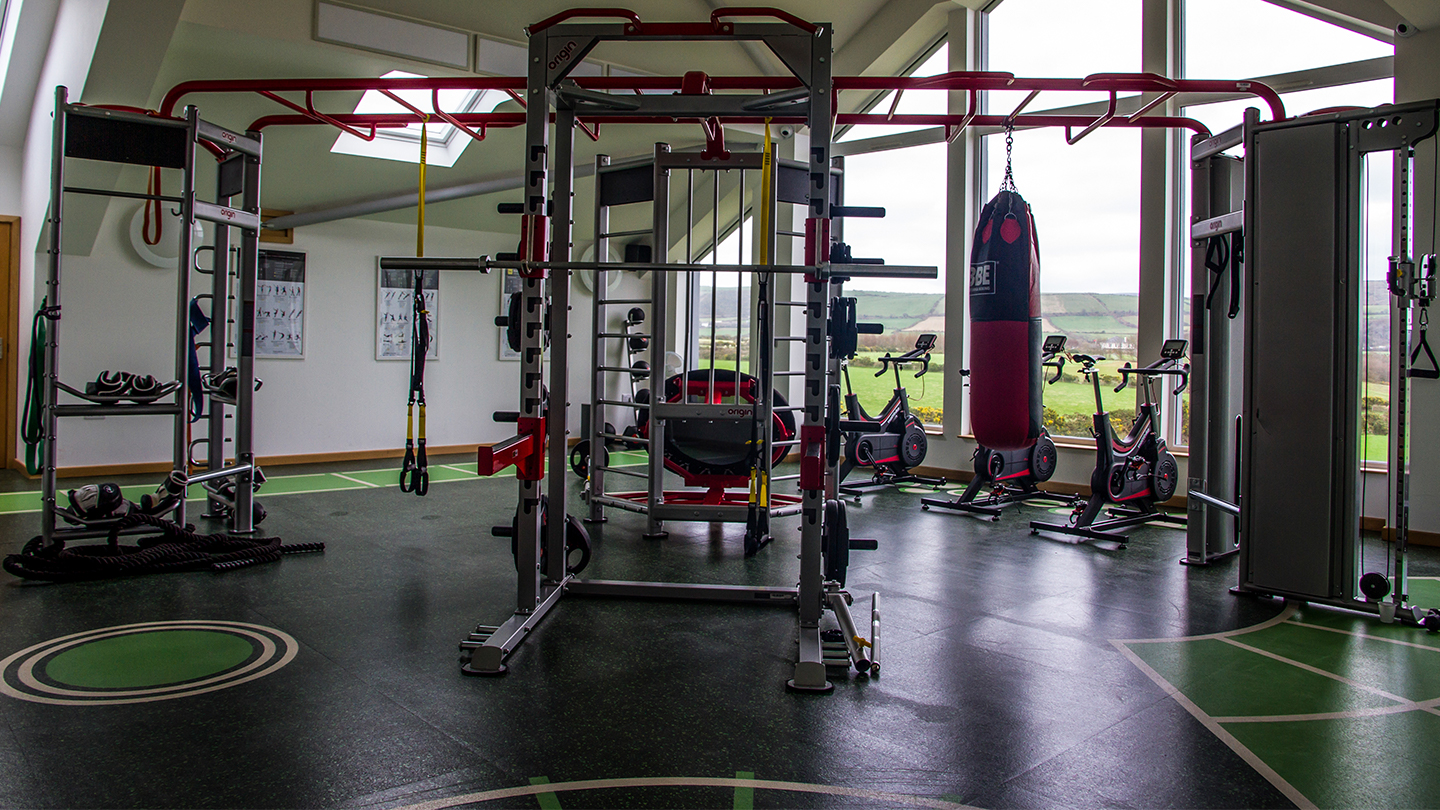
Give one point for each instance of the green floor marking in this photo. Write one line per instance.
(1365, 624)
(1373, 662)
(155, 658)
(1226, 681)
(1352, 762)
(744, 796)
(1425, 591)
(547, 801)
(627, 458)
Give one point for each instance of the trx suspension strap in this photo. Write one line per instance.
(758, 514)
(415, 474)
(32, 423)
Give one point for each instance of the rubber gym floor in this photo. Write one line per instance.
(1019, 671)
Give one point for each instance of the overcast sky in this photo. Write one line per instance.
(1085, 197)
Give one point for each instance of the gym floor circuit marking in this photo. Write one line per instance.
(145, 662)
(541, 787)
(1309, 699)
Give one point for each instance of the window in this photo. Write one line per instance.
(910, 184)
(1236, 39)
(1085, 197)
(444, 144)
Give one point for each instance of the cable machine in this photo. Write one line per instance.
(1297, 522)
(137, 138)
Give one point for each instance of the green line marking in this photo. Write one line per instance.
(12, 503)
(547, 801)
(156, 658)
(1425, 591)
(744, 796)
(1375, 663)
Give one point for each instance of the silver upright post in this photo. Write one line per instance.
(1400, 362)
(559, 328)
(659, 313)
(600, 324)
(809, 665)
(246, 276)
(181, 426)
(219, 335)
(52, 332)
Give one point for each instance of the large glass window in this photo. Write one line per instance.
(1238, 39)
(1085, 198)
(910, 184)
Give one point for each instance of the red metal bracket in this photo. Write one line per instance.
(309, 111)
(532, 466)
(757, 11)
(812, 459)
(534, 243)
(817, 245)
(491, 460)
(714, 140)
(571, 13)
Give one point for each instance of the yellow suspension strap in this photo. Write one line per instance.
(759, 479)
(414, 472)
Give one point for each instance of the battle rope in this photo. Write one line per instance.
(415, 472)
(32, 423)
(174, 549)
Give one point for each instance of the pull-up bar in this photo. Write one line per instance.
(972, 81)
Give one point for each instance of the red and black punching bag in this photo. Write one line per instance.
(1006, 377)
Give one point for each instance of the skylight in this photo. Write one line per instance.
(444, 142)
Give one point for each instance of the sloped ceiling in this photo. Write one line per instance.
(272, 39)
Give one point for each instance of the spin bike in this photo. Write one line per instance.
(1012, 475)
(1136, 472)
(896, 444)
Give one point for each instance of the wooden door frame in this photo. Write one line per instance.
(10, 365)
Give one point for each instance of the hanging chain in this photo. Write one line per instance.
(1008, 184)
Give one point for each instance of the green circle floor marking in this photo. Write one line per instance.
(153, 658)
(139, 663)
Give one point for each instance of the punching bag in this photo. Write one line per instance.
(1006, 377)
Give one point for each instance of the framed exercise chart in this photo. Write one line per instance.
(394, 308)
(280, 304)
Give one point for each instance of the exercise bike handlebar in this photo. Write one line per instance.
(1159, 368)
(905, 360)
(1057, 362)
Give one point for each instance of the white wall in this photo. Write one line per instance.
(119, 315)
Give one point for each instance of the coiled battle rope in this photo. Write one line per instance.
(176, 548)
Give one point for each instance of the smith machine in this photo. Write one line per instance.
(1276, 462)
(804, 98)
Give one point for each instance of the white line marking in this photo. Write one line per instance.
(1366, 635)
(1265, 625)
(1215, 728)
(459, 469)
(1378, 711)
(356, 480)
(686, 781)
(1324, 674)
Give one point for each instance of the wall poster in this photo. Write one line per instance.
(280, 304)
(394, 309)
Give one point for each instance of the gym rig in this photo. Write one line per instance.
(122, 135)
(804, 98)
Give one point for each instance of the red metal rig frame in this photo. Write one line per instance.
(973, 82)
